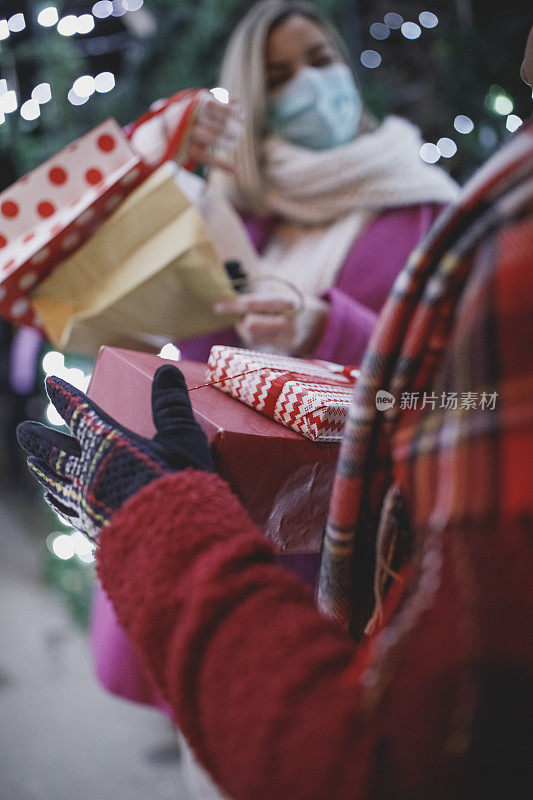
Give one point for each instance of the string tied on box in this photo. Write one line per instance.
(349, 374)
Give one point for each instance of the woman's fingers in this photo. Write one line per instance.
(217, 127)
(206, 135)
(262, 329)
(201, 155)
(255, 304)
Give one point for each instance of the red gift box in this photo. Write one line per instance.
(311, 397)
(48, 213)
(283, 479)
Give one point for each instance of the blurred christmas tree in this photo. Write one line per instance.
(430, 63)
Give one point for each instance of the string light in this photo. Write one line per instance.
(53, 363)
(411, 30)
(103, 9)
(63, 546)
(393, 21)
(104, 82)
(170, 351)
(379, 31)
(463, 124)
(429, 153)
(222, 95)
(30, 110)
(84, 86)
(85, 23)
(427, 19)
(119, 8)
(53, 417)
(488, 138)
(73, 98)
(502, 105)
(68, 26)
(42, 93)
(48, 17)
(16, 23)
(370, 59)
(8, 102)
(498, 101)
(446, 147)
(513, 122)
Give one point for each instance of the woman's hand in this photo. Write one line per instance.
(272, 321)
(215, 130)
(89, 475)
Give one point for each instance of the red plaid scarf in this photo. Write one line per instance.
(452, 338)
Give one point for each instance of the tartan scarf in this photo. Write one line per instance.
(423, 448)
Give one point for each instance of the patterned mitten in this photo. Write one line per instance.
(88, 476)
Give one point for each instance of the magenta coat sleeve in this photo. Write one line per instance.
(373, 262)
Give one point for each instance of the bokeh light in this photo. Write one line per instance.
(379, 31)
(16, 23)
(30, 110)
(170, 351)
(84, 86)
(48, 17)
(447, 147)
(429, 153)
(427, 19)
(102, 9)
(63, 546)
(370, 59)
(104, 82)
(513, 122)
(463, 124)
(42, 93)
(411, 30)
(8, 102)
(68, 26)
(222, 95)
(85, 23)
(393, 21)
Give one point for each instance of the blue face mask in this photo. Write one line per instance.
(319, 108)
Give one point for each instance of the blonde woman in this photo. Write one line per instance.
(333, 201)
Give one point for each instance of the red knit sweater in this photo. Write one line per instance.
(272, 698)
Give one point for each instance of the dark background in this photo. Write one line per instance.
(167, 45)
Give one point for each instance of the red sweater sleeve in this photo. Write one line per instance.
(234, 641)
(271, 697)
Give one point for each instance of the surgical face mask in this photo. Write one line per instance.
(319, 108)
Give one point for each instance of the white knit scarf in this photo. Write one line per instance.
(324, 199)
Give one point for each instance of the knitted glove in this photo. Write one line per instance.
(88, 476)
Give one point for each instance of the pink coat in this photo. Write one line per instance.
(363, 284)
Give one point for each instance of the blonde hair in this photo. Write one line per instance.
(243, 75)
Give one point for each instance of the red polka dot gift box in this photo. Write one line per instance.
(48, 213)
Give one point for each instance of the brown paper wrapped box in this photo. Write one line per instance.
(283, 479)
(148, 275)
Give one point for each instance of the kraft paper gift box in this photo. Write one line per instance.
(150, 274)
(48, 213)
(283, 479)
(311, 397)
